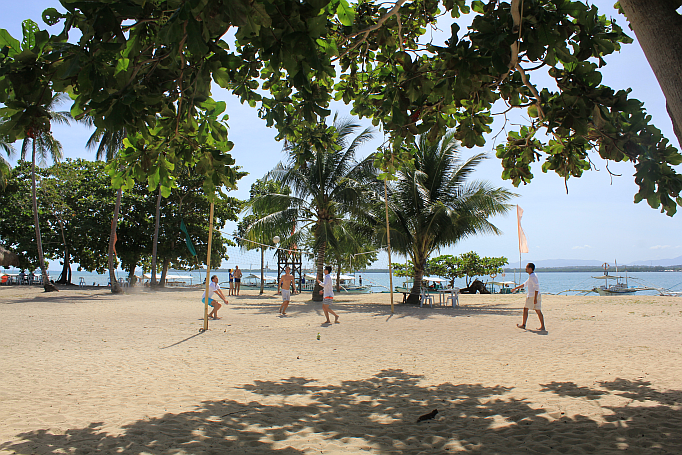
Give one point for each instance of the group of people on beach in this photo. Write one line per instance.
(287, 285)
(235, 280)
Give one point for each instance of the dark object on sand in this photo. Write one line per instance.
(476, 286)
(428, 416)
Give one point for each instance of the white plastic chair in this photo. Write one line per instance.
(425, 296)
(81, 283)
(453, 297)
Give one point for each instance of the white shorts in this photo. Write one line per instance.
(529, 303)
(286, 295)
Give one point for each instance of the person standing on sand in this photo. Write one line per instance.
(231, 291)
(237, 279)
(533, 297)
(328, 295)
(213, 288)
(285, 283)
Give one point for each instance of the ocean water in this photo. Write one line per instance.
(550, 282)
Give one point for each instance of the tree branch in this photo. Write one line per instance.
(533, 90)
(392, 12)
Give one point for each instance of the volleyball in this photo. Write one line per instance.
(275, 239)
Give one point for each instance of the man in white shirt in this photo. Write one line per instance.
(533, 297)
(328, 295)
(213, 288)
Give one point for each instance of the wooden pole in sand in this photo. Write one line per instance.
(388, 241)
(208, 267)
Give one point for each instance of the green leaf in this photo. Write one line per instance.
(6, 40)
(29, 29)
(51, 16)
(166, 191)
(122, 65)
(345, 13)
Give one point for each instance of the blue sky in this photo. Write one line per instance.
(596, 220)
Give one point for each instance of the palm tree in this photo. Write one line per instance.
(108, 144)
(432, 205)
(4, 165)
(326, 185)
(40, 141)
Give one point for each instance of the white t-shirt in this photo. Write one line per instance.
(532, 284)
(212, 287)
(327, 284)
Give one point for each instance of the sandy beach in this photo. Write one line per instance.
(85, 371)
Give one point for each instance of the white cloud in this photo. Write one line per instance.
(583, 247)
(660, 247)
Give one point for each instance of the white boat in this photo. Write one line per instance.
(618, 286)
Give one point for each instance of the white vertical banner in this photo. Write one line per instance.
(523, 243)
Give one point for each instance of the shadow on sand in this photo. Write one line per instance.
(379, 414)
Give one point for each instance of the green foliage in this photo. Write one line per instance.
(433, 204)
(75, 197)
(467, 265)
(187, 202)
(147, 67)
(356, 239)
(78, 203)
(326, 191)
(246, 228)
(16, 215)
(403, 270)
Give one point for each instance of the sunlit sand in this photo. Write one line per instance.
(86, 371)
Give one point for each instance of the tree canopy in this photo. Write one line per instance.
(147, 66)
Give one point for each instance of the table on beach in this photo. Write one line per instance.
(442, 298)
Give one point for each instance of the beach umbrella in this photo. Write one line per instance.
(8, 258)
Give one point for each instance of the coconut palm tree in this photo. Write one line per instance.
(5, 169)
(327, 184)
(4, 165)
(432, 205)
(41, 143)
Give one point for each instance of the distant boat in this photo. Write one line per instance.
(618, 286)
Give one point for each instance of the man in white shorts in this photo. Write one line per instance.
(533, 297)
(286, 282)
(328, 295)
(214, 288)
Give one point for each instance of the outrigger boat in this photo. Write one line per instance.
(620, 287)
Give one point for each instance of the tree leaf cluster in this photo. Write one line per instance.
(147, 67)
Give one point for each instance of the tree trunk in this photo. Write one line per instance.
(262, 282)
(65, 276)
(317, 297)
(49, 287)
(658, 28)
(156, 237)
(115, 288)
(415, 292)
(338, 277)
(164, 272)
(131, 275)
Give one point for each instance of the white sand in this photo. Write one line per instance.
(84, 371)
